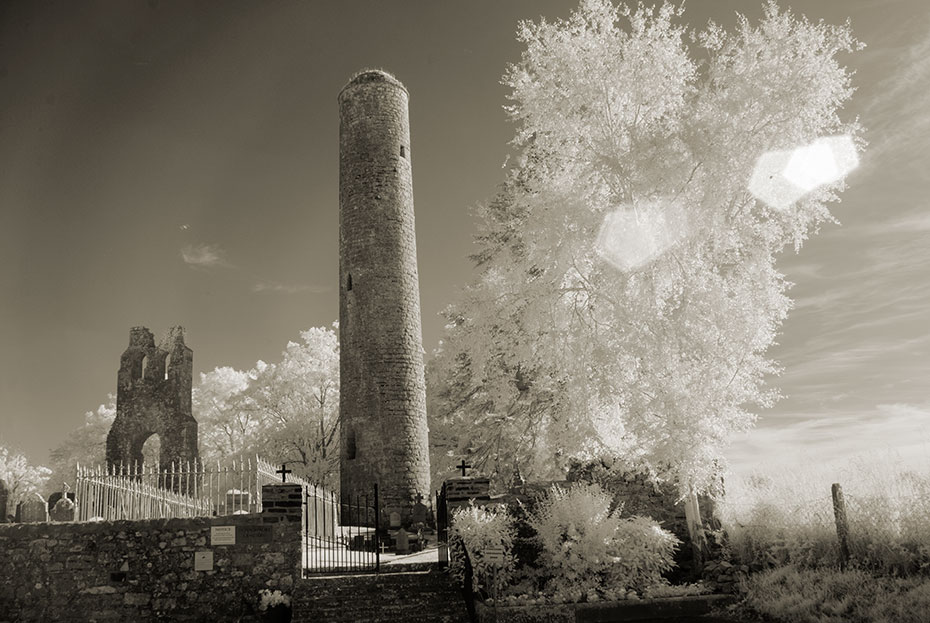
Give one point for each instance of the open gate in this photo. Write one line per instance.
(341, 536)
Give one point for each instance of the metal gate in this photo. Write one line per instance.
(341, 537)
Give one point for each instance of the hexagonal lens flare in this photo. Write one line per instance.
(781, 178)
(632, 237)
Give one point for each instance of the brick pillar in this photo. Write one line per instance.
(282, 502)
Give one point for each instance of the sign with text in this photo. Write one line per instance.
(259, 533)
(223, 535)
(203, 561)
(493, 555)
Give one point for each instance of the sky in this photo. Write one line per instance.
(166, 163)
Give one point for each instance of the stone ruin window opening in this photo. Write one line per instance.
(151, 451)
(145, 364)
(349, 283)
(167, 363)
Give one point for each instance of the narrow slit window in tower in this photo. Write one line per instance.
(349, 282)
(350, 444)
(403, 152)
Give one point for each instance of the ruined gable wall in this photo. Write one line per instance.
(153, 396)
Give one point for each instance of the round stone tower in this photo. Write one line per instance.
(382, 400)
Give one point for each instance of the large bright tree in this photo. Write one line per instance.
(23, 481)
(626, 290)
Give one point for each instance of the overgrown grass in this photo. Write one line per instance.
(830, 596)
(788, 519)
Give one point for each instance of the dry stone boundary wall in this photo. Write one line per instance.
(142, 570)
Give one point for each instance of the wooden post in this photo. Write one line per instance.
(699, 547)
(842, 526)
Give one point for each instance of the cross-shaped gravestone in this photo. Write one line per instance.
(462, 466)
(284, 472)
(419, 497)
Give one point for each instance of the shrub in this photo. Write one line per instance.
(643, 552)
(478, 528)
(587, 548)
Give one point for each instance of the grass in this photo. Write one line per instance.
(789, 519)
(832, 596)
(782, 526)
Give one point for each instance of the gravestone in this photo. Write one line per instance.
(32, 511)
(53, 498)
(402, 542)
(395, 520)
(420, 514)
(63, 510)
(4, 501)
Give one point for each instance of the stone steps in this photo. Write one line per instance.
(420, 594)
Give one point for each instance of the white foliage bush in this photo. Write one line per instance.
(589, 549)
(479, 528)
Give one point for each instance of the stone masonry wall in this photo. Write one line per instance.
(382, 389)
(143, 570)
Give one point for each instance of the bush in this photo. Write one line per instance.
(587, 549)
(477, 528)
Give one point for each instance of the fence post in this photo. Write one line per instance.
(377, 531)
(842, 526)
(699, 548)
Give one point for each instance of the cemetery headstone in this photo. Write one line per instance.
(420, 515)
(402, 542)
(53, 498)
(33, 510)
(395, 520)
(63, 510)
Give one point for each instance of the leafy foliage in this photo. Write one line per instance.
(85, 445)
(478, 528)
(588, 547)
(21, 478)
(552, 351)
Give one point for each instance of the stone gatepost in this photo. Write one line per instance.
(282, 502)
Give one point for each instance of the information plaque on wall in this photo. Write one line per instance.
(223, 535)
(203, 561)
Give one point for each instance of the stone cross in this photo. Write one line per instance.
(462, 466)
(284, 472)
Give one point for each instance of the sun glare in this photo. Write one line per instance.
(632, 237)
(781, 178)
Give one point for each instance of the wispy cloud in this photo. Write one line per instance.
(203, 255)
(287, 288)
(899, 111)
(835, 438)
